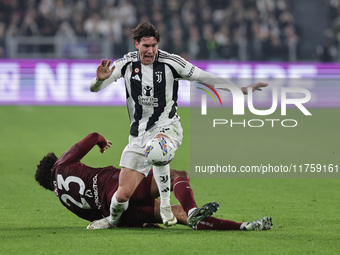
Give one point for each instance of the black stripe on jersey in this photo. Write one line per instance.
(174, 72)
(136, 91)
(127, 96)
(159, 84)
(178, 60)
(174, 98)
(173, 58)
(124, 68)
(174, 92)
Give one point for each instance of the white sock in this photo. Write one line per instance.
(116, 209)
(243, 225)
(191, 210)
(162, 178)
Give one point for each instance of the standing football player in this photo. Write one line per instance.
(151, 79)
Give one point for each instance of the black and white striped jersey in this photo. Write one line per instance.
(152, 91)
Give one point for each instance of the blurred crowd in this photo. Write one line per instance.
(328, 49)
(195, 29)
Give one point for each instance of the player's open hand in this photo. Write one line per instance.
(254, 87)
(108, 145)
(103, 70)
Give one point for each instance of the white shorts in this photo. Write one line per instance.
(133, 156)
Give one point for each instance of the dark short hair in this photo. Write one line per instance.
(144, 30)
(43, 173)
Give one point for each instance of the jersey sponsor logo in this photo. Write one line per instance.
(147, 91)
(95, 191)
(159, 76)
(148, 101)
(136, 77)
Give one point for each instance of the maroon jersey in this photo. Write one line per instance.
(84, 190)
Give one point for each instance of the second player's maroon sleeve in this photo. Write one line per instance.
(80, 149)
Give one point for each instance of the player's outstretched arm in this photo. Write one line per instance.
(103, 73)
(214, 80)
(108, 145)
(87, 143)
(257, 86)
(103, 70)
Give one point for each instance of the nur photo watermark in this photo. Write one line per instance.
(262, 134)
(302, 96)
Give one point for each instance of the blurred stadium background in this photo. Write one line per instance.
(261, 30)
(49, 49)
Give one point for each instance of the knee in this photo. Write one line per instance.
(183, 173)
(123, 195)
(174, 174)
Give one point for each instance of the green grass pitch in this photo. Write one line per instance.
(32, 221)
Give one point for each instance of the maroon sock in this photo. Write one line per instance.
(184, 194)
(211, 223)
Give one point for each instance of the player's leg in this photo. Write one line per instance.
(212, 223)
(132, 172)
(134, 169)
(176, 209)
(182, 190)
(162, 177)
(204, 223)
(199, 218)
(174, 134)
(180, 184)
(184, 194)
(174, 175)
(128, 181)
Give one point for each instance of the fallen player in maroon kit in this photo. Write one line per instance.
(87, 192)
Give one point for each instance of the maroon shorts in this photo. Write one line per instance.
(141, 206)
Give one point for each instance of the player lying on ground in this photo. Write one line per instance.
(87, 192)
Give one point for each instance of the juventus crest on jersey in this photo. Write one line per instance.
(152, 90)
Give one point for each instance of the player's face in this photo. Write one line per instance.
(147, 48)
